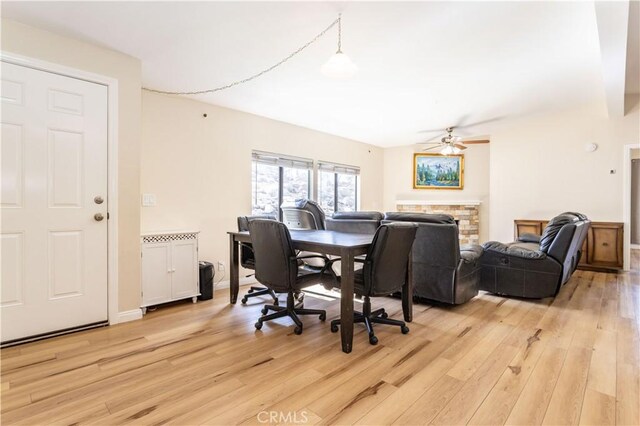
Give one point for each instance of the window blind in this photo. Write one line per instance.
(338, 168)
(282, 160)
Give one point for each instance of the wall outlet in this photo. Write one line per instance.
(221, 266)
(148, 200)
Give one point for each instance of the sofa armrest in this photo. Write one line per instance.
(470, 253)
(514, 251)
(529, 238)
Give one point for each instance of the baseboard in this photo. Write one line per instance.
(243, 281)
(634, 246)
(126, 316)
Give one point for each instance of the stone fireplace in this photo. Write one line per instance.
(467, 213)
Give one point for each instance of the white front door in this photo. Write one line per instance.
(54, 173)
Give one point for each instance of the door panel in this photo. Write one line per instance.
(185, 264)
(12, 165)
(12, 269)
(65, 180)
(65, 264)
(54, 162)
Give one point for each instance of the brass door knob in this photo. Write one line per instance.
(98, 217)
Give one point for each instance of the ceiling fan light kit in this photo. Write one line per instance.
(451, 144)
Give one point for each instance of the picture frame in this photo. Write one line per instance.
(438, 171)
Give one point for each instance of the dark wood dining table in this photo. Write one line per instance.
(345, 245)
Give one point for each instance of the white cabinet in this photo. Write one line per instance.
(169, 267)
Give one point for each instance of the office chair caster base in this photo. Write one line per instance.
(258, 325)
(373, 339)
(292, 310)
(334, 327)
(244, 300)
(384, 315)
(404, 329)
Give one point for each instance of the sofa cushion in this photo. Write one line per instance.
(552, 229)
(516, 250)
(419, 217)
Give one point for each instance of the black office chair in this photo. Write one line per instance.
(303, 214)
(278, 268)
(384, 273)
(247, 259)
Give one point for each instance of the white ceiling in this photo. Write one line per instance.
(422, 65)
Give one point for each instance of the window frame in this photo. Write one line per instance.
(339, 169)
(314, 170)
(282, 161)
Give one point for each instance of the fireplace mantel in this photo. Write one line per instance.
(439, 202)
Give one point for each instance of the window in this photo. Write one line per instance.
(337, 187)
(276, 179)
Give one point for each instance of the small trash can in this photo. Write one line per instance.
(206, 280)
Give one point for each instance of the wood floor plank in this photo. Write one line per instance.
(598, 409)
(567, 397)
(572, 359)
(534, 399)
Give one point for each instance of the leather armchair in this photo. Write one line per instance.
(354, 222)
(532, 267)
(442, 270)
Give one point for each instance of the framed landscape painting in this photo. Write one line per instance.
(437, 171)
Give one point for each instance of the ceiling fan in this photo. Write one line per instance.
(450, 143)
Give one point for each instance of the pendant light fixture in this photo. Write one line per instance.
(339, 66)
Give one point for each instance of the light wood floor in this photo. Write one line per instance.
(572, 360)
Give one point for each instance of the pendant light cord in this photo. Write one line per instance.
(261, 73)
(339, 32)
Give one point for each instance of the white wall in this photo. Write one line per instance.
(398, 181)
(534, 168)
(28, 41)
(539, 166)
(200, 168)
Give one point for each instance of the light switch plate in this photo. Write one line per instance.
(148, 200)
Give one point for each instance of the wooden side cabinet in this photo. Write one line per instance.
(602, 249)
(169, 268)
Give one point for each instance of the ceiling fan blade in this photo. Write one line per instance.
(433, 147)
(460, 147)
(477, 123)
(477, 141)
(439, 136)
